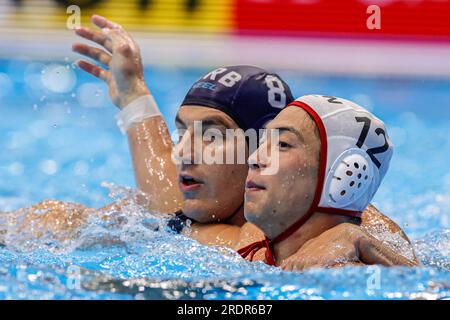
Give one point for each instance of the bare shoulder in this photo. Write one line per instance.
(55, 209)
(249, 233)
(384, 229)
(59, 217)
(215, 234)
(374, 218)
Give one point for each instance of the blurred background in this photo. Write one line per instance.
(58, 134)
(307, 35)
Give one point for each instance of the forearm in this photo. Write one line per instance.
(373, 251)
(155, 172)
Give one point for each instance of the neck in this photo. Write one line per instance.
(316, 225)
(237, 218)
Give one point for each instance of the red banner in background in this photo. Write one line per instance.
(419, 19)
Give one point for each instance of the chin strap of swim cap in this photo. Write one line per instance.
(267, 243)
(251, 249)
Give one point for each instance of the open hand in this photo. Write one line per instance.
(120, 54)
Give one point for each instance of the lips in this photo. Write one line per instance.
(188, 182)
(251, 186)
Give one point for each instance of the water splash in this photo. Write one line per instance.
(123, 251)
(434, 249)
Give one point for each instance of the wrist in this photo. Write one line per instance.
(136, 111)
(136, 91)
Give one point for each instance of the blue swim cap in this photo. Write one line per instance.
(251, 96)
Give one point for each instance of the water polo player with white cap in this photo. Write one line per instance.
(332, 155)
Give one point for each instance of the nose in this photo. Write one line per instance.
(258, 159)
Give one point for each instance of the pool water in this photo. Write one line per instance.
(60, 141)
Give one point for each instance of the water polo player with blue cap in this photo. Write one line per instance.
(332, 155)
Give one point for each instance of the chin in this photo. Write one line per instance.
(195, 209)
(252, 212)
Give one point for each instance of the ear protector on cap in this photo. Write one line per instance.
(348, 178)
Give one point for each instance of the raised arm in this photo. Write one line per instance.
(149, 138)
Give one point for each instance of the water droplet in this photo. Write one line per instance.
(49, 167)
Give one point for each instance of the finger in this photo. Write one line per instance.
(297, 267)
(102, 22)
(293, 265)
(93, 69)
(97, 54)
(96, 36)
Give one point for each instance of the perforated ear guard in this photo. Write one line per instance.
(349, 178)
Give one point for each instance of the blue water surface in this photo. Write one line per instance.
(60, 141)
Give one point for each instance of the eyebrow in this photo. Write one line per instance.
(210, 121)
(293, 130)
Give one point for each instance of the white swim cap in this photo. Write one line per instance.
(355, 155)
(356, 151)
